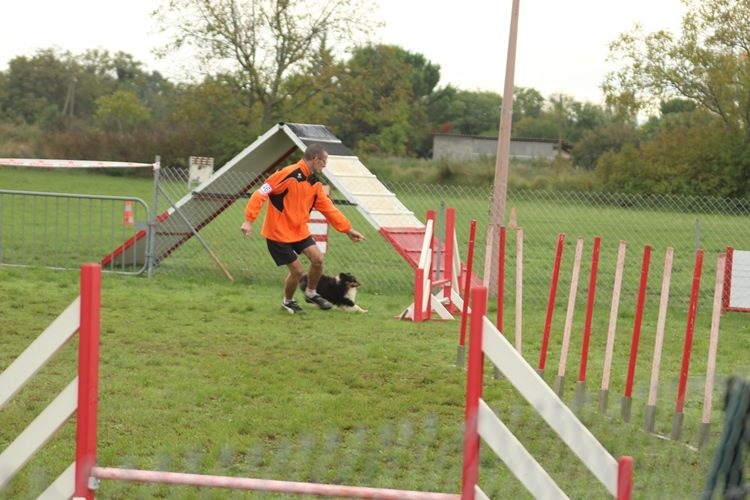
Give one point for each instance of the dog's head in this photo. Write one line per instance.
(347, 280)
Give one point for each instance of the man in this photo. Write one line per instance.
(294, 191)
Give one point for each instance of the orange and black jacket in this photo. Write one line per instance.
(293, 192)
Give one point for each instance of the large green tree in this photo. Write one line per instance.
(709, 64)
(267, 43)
(381, 100)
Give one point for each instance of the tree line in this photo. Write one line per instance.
(386, 101)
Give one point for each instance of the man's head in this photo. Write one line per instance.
(316, 157)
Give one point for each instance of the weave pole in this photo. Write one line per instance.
(679, 414)
(551, 303)
(581, 385)
(627, 398)
(519, 290)
(460, 353)
(569, 318)
(659, 341)
(604, 391)
(713, 346)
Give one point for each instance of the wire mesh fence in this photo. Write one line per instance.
(684, 223)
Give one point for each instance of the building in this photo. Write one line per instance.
(468, 147)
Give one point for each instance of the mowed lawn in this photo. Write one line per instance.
(202, 375)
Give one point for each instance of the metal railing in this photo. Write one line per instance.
(62, 230)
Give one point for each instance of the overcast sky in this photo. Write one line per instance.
(562, 46)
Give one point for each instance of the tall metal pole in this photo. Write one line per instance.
(500, 185)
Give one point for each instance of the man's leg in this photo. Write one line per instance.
(313, 277)
(315, 256)
(292, 279)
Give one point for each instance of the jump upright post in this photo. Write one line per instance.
(481, 420)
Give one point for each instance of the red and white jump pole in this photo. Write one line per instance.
(659, 341)
(88, 378)
(581, 385)
(551, 303)
(687, 348)
(460, 353)
(86, 470)
(615, 306)
(627, 397)
(269, 485)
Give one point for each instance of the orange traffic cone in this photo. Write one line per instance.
(127, 214)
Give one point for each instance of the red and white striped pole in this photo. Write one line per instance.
(88, 378)
(467, 288)
(551, 303)
(627, 397)
(687, 347)
(581, 386)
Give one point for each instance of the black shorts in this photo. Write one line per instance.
(286, 253)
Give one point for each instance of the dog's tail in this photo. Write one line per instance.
(303, 283)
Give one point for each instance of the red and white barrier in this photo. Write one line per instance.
(319, 227)
(43, 163)
(425, 275)
(81, 397)
(481, 420)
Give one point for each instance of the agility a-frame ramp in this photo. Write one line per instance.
(379, 206)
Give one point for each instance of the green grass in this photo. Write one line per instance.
(214, 378)
(199, 374)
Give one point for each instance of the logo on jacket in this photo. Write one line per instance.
(300, 176)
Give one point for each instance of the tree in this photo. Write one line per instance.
(121, 111)
(34, 85)
(608, 137)
(527, 103)
(689, 155)
(267, 43)
(381, 101)
(708, 64)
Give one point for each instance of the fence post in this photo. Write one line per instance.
(151, 237)
(88, 378)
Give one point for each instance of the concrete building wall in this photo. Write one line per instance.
(463, 147)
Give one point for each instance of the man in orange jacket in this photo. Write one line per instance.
(294, 191)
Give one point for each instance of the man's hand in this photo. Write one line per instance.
(246, 228)
(355, 235)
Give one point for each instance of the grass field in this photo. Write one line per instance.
(202, 375)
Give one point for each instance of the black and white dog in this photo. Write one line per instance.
(339, 290)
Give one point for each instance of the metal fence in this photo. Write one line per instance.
(684, 223)
(61, 230)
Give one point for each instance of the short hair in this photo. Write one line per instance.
(314, 151)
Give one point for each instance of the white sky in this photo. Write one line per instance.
(562, 46)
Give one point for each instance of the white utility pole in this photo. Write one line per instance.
(500, 185)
